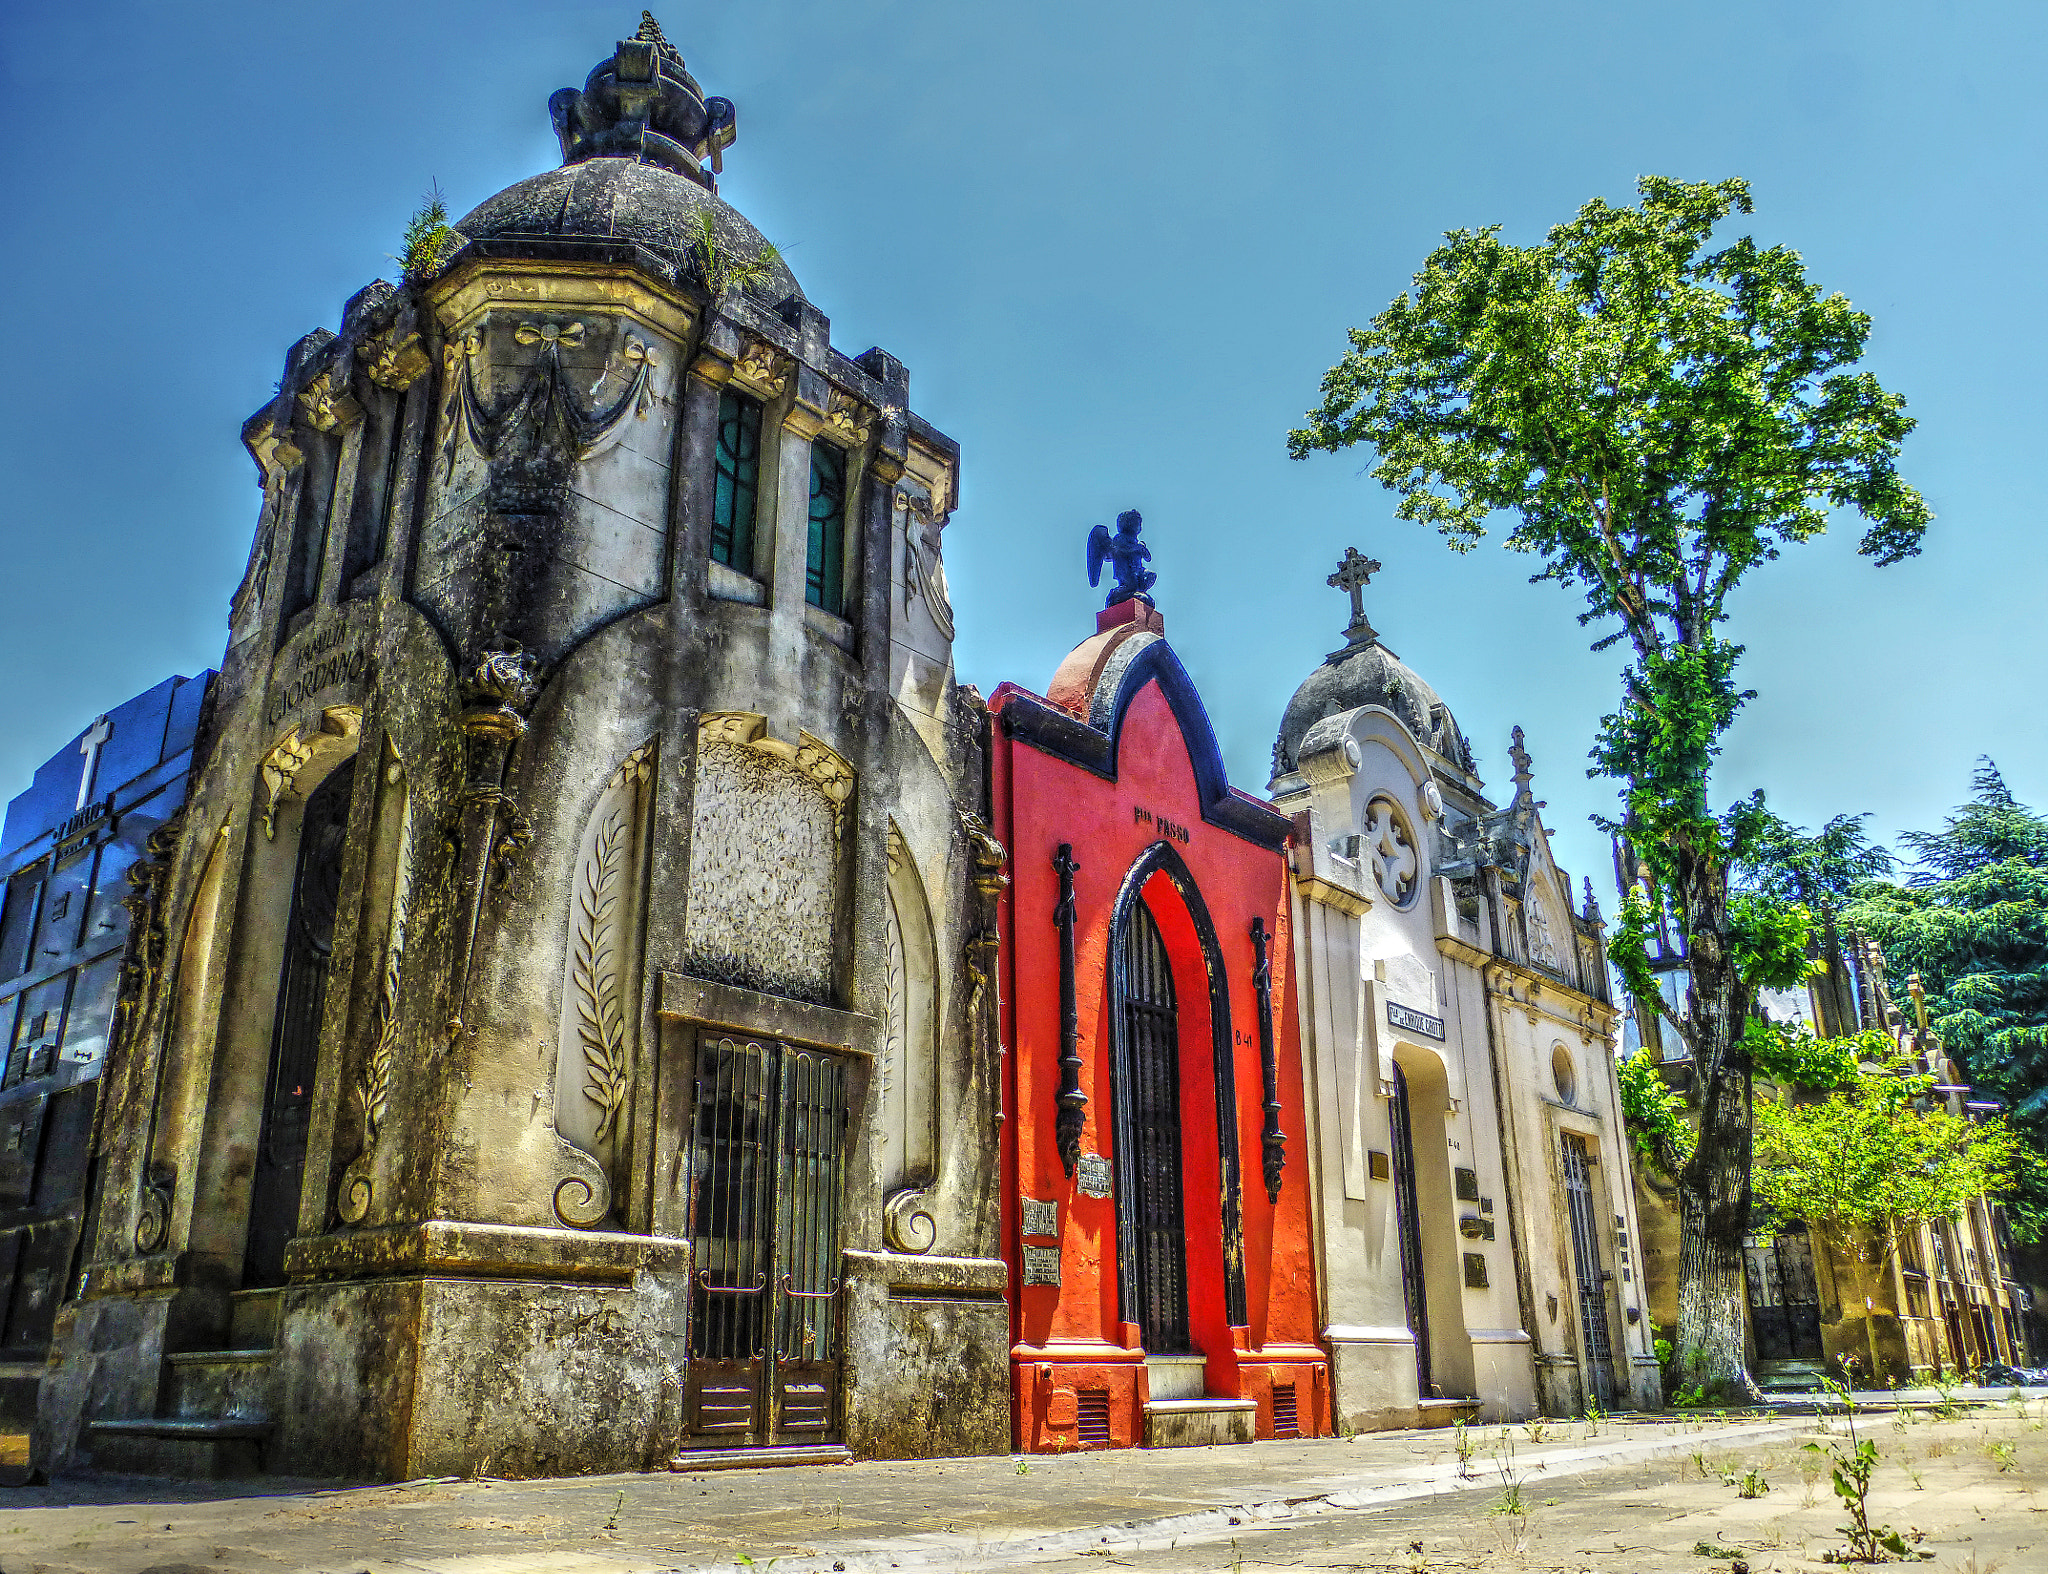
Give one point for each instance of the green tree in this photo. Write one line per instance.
(1868, 1159)
(1820, 871)
(1972, 920)
(1657, 416)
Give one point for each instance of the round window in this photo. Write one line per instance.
(1563, 1075)
(1390, 846)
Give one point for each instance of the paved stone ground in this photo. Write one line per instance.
(1628, 1495)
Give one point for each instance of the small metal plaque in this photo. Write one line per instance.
(1475, 1272)
(1415, 1021)
(1092, 1175)
(1041, 1218)
(1486, 1205)
(1468, 1185)
(1377, 1164)
(1041, 1265)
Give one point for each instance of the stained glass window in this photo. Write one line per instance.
(825, 560)
(738, 481)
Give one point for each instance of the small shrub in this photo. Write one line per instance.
(427, 238)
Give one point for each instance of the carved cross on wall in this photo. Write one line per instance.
(89, 746)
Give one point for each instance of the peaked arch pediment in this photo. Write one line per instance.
(1096, 744)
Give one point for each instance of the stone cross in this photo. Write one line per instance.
(1354, 573)
(89, 746)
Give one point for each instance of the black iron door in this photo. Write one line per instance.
(767, 1161)
(295, 1034)
(1592, 1279)
(1151, 1224)
(1784, 1296)
(1408, 1230)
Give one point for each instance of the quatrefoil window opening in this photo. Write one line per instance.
(1387, 841)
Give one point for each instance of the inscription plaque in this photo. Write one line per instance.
(1092, 1175)
(1415, 1021)
(1475, 1271)
(1041, 1218)
(1041, 1265)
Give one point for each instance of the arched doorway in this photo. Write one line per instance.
(295, 1034)
(1151, 1217)
(1408, 1232)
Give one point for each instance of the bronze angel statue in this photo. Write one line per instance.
(1125, 554)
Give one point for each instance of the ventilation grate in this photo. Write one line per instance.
(1286, 1419)
(1092, 1417)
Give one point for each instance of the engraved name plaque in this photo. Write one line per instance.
(1041, 1218)
(1092, 1175)
(1041, 1265)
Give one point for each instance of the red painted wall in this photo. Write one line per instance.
(1067, 1339)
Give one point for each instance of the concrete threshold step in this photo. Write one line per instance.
(217, 1357)
(766, 1458)
(1199, 1423)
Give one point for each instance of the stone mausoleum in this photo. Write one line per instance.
(573, 1041)
(1476, 1240)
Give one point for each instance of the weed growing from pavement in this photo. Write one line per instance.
(1851, 1470)
(1462, 1441)
(2003, 1456)
(1748, 1484)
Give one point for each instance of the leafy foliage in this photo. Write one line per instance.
(1972, 921)
(1820, 869)
(1793, 1056)
(1654, 1114)
(721, 269)
(427, 239)
(1868, 1158)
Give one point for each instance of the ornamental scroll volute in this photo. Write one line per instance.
(601, 986)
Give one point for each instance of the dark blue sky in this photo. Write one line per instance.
(1116, 244)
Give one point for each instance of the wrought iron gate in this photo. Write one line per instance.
(1408, 1227)
(1151, 1223)
(295, 1032)
(1592, 1278)
(767, 1163)
(1784, 1297)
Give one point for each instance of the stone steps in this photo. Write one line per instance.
(198, 1450)
(217, 1385)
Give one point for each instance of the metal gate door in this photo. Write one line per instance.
(767, 1161)
(1151, 1224)
(1784, 1296)
(1592, 1279)
(1408, 1228)
(295, 1033)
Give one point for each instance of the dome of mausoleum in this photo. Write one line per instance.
(641, 151)
(1365, 672)
(619, 198)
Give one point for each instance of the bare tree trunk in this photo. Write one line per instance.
(1713, 1187)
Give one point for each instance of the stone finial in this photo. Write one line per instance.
(1523, 775)
(1592, 910)
(641, 104)
(1354, 572)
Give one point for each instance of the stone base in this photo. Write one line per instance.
(192, 1450)
(927, 1356)
(1199, 1423)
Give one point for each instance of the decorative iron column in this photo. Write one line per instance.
(1272, 1139)
(1073, 1103)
